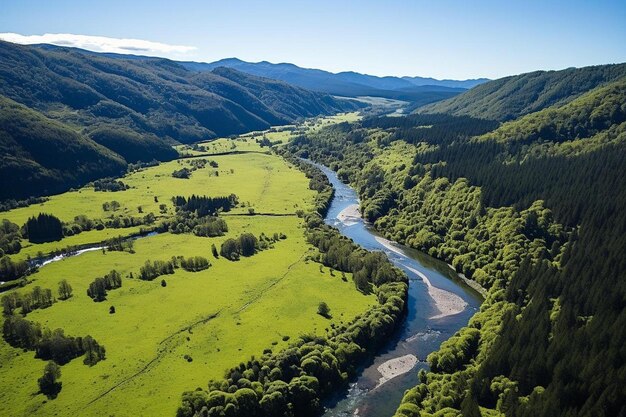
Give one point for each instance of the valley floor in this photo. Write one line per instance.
(163, 340)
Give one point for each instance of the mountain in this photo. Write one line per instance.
(156, 97)
(134, 108)
(510, 97)
(41, 156)
(350, 84)
(418, 91)
(596, 118)
(466, 84)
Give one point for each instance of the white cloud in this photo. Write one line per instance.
(101, 44)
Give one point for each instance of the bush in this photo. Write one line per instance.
(48, 383)
(323, 310)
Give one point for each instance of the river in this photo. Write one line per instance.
(44, 260)
(439, 304)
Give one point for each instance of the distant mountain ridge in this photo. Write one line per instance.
(416, 90)
(305, 77)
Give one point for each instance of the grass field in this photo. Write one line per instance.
(218, 317)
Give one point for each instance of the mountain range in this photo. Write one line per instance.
(351, 84)
(416, 90)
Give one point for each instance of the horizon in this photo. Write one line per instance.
(439, 41)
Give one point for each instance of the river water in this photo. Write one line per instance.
(422, 331)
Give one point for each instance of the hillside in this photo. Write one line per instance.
(150, 96)
(599, 110)
(137, 108)
(351, 84)
(41, 156)
(511, 97)
(532, 210)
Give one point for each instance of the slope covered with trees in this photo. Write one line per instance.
(533, 211)
(41, 156)
(150, 95)
(511, 97)
(137, 108)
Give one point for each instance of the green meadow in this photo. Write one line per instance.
(163, 340)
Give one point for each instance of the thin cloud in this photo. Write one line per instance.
(101, 44)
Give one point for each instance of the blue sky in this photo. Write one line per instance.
(438, 38)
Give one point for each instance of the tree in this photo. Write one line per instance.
(10, 302)
(214, 251)
(48, 383)
(44, 228)
(94, 353)
(247, 244)
(97, 290)
(230, 249)
(65, 290)
(323, 310)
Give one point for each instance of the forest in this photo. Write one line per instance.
(531, 209)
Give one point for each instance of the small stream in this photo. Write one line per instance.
(421, 332)
(41, 261)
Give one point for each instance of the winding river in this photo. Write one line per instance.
(439, 304)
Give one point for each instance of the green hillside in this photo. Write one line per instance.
(151, 96)
(41, 156)
(511, 97)
(602, 110)
(137, 108)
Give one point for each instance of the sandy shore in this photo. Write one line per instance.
(395, 367)
(389, 245)
(350, 215)
(446, 302)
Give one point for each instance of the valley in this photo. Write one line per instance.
(267, 209)
(217, 317)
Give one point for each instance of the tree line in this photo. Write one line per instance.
(205, 206)
(50, 344)
(153, 269)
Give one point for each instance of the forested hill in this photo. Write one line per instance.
(41, 156)
(135, 108)
(533, 210)
(153, 97)
(511, 97)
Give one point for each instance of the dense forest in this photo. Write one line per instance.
(533, 211)
(42, 156)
